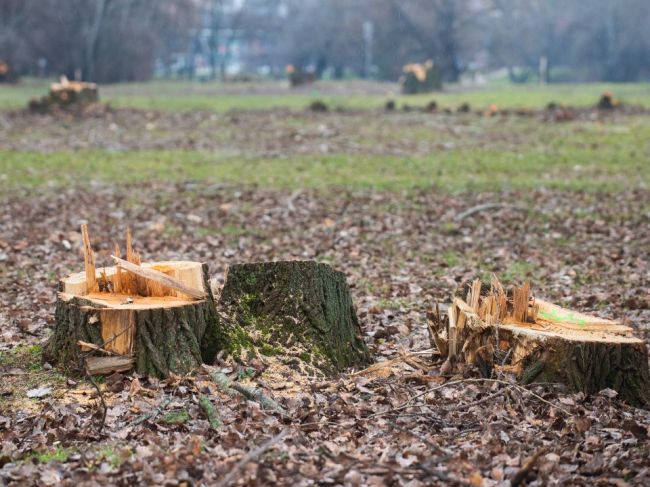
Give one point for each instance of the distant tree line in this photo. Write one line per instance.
(121, 40)
(98, 40)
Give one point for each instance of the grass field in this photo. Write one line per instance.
(182, 95)
(291, 147)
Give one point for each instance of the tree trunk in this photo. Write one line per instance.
(300, 309)
(123, 315)
(542, 342)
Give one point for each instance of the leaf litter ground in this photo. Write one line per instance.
(401, 423)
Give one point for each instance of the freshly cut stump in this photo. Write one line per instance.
(542, 342)
(159, 330)
(155, 317)
(299, 309)
(66, 94)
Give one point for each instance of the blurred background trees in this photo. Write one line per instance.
(124, 40)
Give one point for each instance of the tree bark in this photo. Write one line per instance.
(541, 342)
(302, 309)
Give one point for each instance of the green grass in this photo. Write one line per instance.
(57, 455)
(25, 357)
(562, 164)
(184, 95)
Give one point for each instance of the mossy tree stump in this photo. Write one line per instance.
(110, 319)
(543, 342)
(300, 309)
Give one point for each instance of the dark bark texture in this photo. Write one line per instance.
(582, 365)
(590, 367)
(298, 308)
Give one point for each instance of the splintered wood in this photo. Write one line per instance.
(89, 260)
(157, 280)
(512, 331)
(128, 302)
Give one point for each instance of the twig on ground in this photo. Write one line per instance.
(101, 399)
(251, 393)
(523, 472)
(152, 414)
(487, 398)
(486, 206)
(408, 403)
(249, 457)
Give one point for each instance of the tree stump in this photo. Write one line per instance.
(113, 319)
(300, 309)
(420, 78)
(542, 342)
(66, 94)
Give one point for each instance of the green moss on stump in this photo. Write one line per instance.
(297, 308)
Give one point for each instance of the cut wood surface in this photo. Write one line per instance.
(543, 342)
(161, 316)
(158, 277)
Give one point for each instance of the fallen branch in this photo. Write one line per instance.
(487, 206)
(210, 412)
(251, 393)
(106, 365)
(159, 277)
(249, 457)
(101, 399)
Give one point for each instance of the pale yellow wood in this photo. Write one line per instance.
(159, 277)
(107, 365)
(89, 261)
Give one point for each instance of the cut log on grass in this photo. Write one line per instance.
(542, 342)
(159, 326)
(299, 309)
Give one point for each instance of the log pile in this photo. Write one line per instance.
(420, 78)
(512, 331)
(66, 94)
(156, 318)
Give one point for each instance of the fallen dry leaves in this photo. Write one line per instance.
(401, 251)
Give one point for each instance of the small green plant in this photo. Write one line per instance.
(450, 258)
(57, 455)
(109, 455)
(519, 270)
(26, 357)
(246, 373)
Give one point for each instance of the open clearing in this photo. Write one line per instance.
(374, 194)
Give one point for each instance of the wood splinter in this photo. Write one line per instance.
(159, 277)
